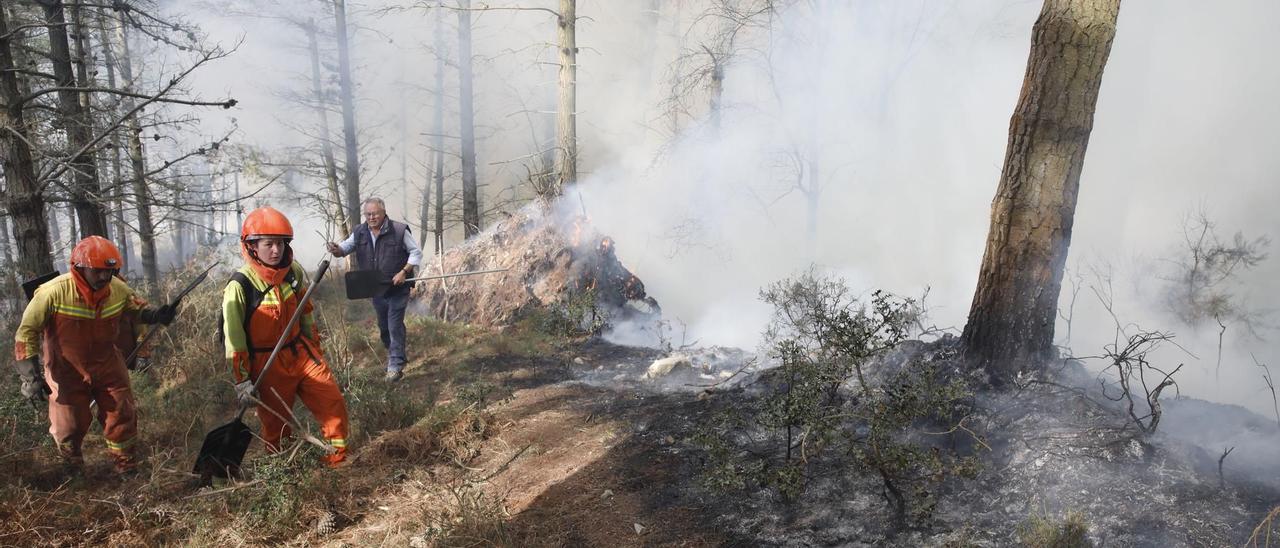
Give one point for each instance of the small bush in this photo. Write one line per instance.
(823, 401)
(467, 518)
(1042, 531)
(289, 480)
(576, 315)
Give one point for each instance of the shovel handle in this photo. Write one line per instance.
(293, 321)
(176, 301)
(439, 276)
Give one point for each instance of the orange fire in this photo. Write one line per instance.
(575, 235)
(606, 244)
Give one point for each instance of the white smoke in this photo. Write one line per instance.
(906, 105)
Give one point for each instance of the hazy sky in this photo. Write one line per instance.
(908, 103)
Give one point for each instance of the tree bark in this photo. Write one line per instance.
(467, 124)
(84, 186)
(437, 123)
(137, 164)
(347, 89)
(716, 92)
(567, 101)
(1011, 321)
(116, 188)
(326, 146)
(22, 198)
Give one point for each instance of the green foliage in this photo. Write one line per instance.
(22, 425)
(576, 315)
(375, 406)
(823, 401)
(1042, 531)
(288, 482)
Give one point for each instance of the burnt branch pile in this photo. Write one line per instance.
(551, 260)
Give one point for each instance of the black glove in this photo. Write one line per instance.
(163, 315)
(33, 386)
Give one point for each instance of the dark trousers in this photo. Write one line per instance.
(390, 310)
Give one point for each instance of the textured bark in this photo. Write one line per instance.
(137, 162)
(438, 124)
(467, 124)
(116, 188)
(435, 156)
(567, 100)
(22, 197)
(326, 147)
(84, 174)
(1011, 320)
(346, 89)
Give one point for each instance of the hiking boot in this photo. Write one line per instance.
(394, 375)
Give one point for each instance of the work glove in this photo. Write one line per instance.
(245, 393)
(33, 386)
(166, 314)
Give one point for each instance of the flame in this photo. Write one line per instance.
(575, 235)
(606, 244)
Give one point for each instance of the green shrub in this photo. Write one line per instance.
(823, 401)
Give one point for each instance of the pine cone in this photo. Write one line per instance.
(327, 524)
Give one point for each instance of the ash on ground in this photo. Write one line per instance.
(1047, 448)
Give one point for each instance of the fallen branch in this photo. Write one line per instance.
(223, 490)
(504, 466)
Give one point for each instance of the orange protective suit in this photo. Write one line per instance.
(82, 363)
(299, 372)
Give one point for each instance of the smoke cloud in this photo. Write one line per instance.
(902, 106)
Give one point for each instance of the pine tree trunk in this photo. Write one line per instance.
(116, 188)
(347, 90)
(1011, 321)
(467, 125)
(137, 164)
(75, 118)
(566, 107)
(22, 198)
(326, 146)
(437, 124)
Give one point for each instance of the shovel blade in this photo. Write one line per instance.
(365, 284)
(223, 450)
(29, 287)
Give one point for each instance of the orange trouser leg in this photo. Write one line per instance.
(277, 393)
(319, 392)
(117, 412)
(69, 416)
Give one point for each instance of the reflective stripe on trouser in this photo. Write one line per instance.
(70, 416)
(298, 374)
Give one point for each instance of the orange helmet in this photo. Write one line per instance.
(266, 222)
(96, 252)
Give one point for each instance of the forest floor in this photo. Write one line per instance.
(525, 437)
(487, 440)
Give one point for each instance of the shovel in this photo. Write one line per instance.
(174, 303)
(363, 284)
(225, 446)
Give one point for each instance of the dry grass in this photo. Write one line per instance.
(1044, 531)
(1265, 532)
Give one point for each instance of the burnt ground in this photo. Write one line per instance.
(594, 454)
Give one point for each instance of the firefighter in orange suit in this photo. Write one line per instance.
(79, 315)
(256, 307)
